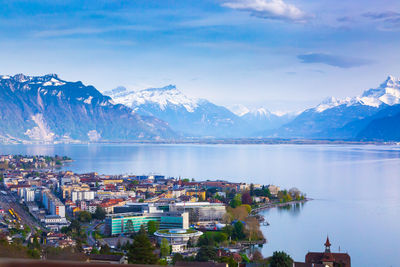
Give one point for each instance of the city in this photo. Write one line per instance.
(97, 218)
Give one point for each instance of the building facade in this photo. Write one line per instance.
(200, 211)
(53, 205)
(82, 195)
(116, 224)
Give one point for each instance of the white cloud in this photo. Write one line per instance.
(268, 9)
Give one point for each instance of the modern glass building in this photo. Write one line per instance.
(123, 223)
(178, 238)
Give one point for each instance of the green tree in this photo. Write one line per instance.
(236, 201)
(177, 257)
(206, 240)
(141, 251)
(75, 226)
(100, 213)
(152, 227)
(206, 253)
(162, 262)
(220, 237)
(228, 230)
(230, 260)
(84, 216)
(281, 259)
(238, 231)
(129, 227)
(165, 249)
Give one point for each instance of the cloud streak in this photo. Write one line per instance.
(90, 31)
(333, 60)
(269, 9)
(389, 19)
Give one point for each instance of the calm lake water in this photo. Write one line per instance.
(356, 189)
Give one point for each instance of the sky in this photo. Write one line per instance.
(284, 55)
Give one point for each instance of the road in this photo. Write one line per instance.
(89, 230)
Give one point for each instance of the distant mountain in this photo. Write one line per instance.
(342, 119)
(196, 117)
(193, 117)
(383, 126)
(48, 109)
(261, 119)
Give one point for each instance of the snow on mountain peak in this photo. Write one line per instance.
(53, 82)
(46, 80)
(168, 95)
(387, 93)
(328, 103)
(239, 109)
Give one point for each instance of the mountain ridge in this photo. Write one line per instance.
(194, 117)
(342, 118)
(49, 109)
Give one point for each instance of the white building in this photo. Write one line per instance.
(273, 189)
(29, 194)
(82, 195)
(55, 222)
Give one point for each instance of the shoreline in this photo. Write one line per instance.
(257, 211)
(238, 141)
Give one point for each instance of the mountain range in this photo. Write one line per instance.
(49, 109)
(196, 117)
(363, 117)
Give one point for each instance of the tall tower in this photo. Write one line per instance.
(327, 245)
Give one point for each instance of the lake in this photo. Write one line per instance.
(356, 188)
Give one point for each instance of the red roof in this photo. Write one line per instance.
(319, 257)
(327, 243)
(110, 202)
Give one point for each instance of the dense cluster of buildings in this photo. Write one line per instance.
(174, 203)
(19, 162)
(177, 206)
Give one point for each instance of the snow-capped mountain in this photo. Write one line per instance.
(260, 119)
(197, 117)
(343, 118)
(165, 97)
(193, 117)
(388, 93)
(47, 109)
(239, 109)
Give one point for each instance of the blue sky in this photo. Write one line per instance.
(281, 54)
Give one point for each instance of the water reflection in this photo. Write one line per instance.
(292, 209)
